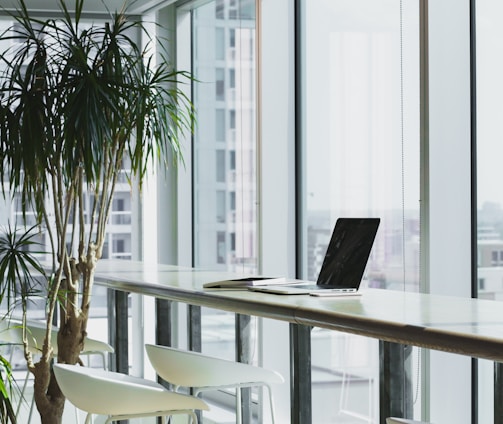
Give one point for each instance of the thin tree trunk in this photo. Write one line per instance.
(53, 414)
(49, 398)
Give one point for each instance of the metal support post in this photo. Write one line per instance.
(244, 354)
(118, 331)
(195, 337)
(498, 393)
(121, 328)
(300, 374)
(395, 381)
(163, 320)
(163, 330)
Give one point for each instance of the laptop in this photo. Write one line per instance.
(344, 263)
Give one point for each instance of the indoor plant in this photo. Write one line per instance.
(19, 267)
(75, 103)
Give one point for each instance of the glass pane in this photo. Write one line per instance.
(360, 143)
(489, 134)
(489, 37)
(228, 104)
(225, 216)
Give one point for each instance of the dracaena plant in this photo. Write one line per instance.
(76, 102)
(19, 269)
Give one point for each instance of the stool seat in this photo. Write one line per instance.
(12, 332)
(203, 373)
(193, 369)
(121, 396)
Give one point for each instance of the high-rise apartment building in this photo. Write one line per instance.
(225, 141)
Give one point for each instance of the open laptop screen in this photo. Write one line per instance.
(348, 252)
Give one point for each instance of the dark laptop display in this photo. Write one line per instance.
(348, 252)
(345, 259)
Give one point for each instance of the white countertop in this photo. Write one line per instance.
(472, 327)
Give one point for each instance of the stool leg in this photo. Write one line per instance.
(21, 394)
(103, 359)
(77, 419)
(271, 403)
(193, 417)
(239, 417)
(32, 404)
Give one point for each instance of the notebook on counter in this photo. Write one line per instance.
(343, 265)
(244, 282)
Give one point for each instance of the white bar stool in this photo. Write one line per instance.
(12, 333)
(35, 333)
(204, 373)
(121, 396)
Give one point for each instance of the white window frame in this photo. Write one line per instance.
(446, 195)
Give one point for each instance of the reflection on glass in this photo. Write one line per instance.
(360, 138)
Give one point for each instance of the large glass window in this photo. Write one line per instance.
(224, 158)
(489, 133)
(360, 143)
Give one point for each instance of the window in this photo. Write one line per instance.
(119, 246)
(220, 9)
(219, 84)
(237, 134)
(219, 44)
(246, 9)
(225, 232)
(232, 200)
(482, 283)
(220, 167)
(220, 125)
(118, 205)
(489, 36)
(233, 242)
(232, 119)
(360, 76)
(232, 37)
(221, 248)
(221, 206)
(232, 160)
(232, 78)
